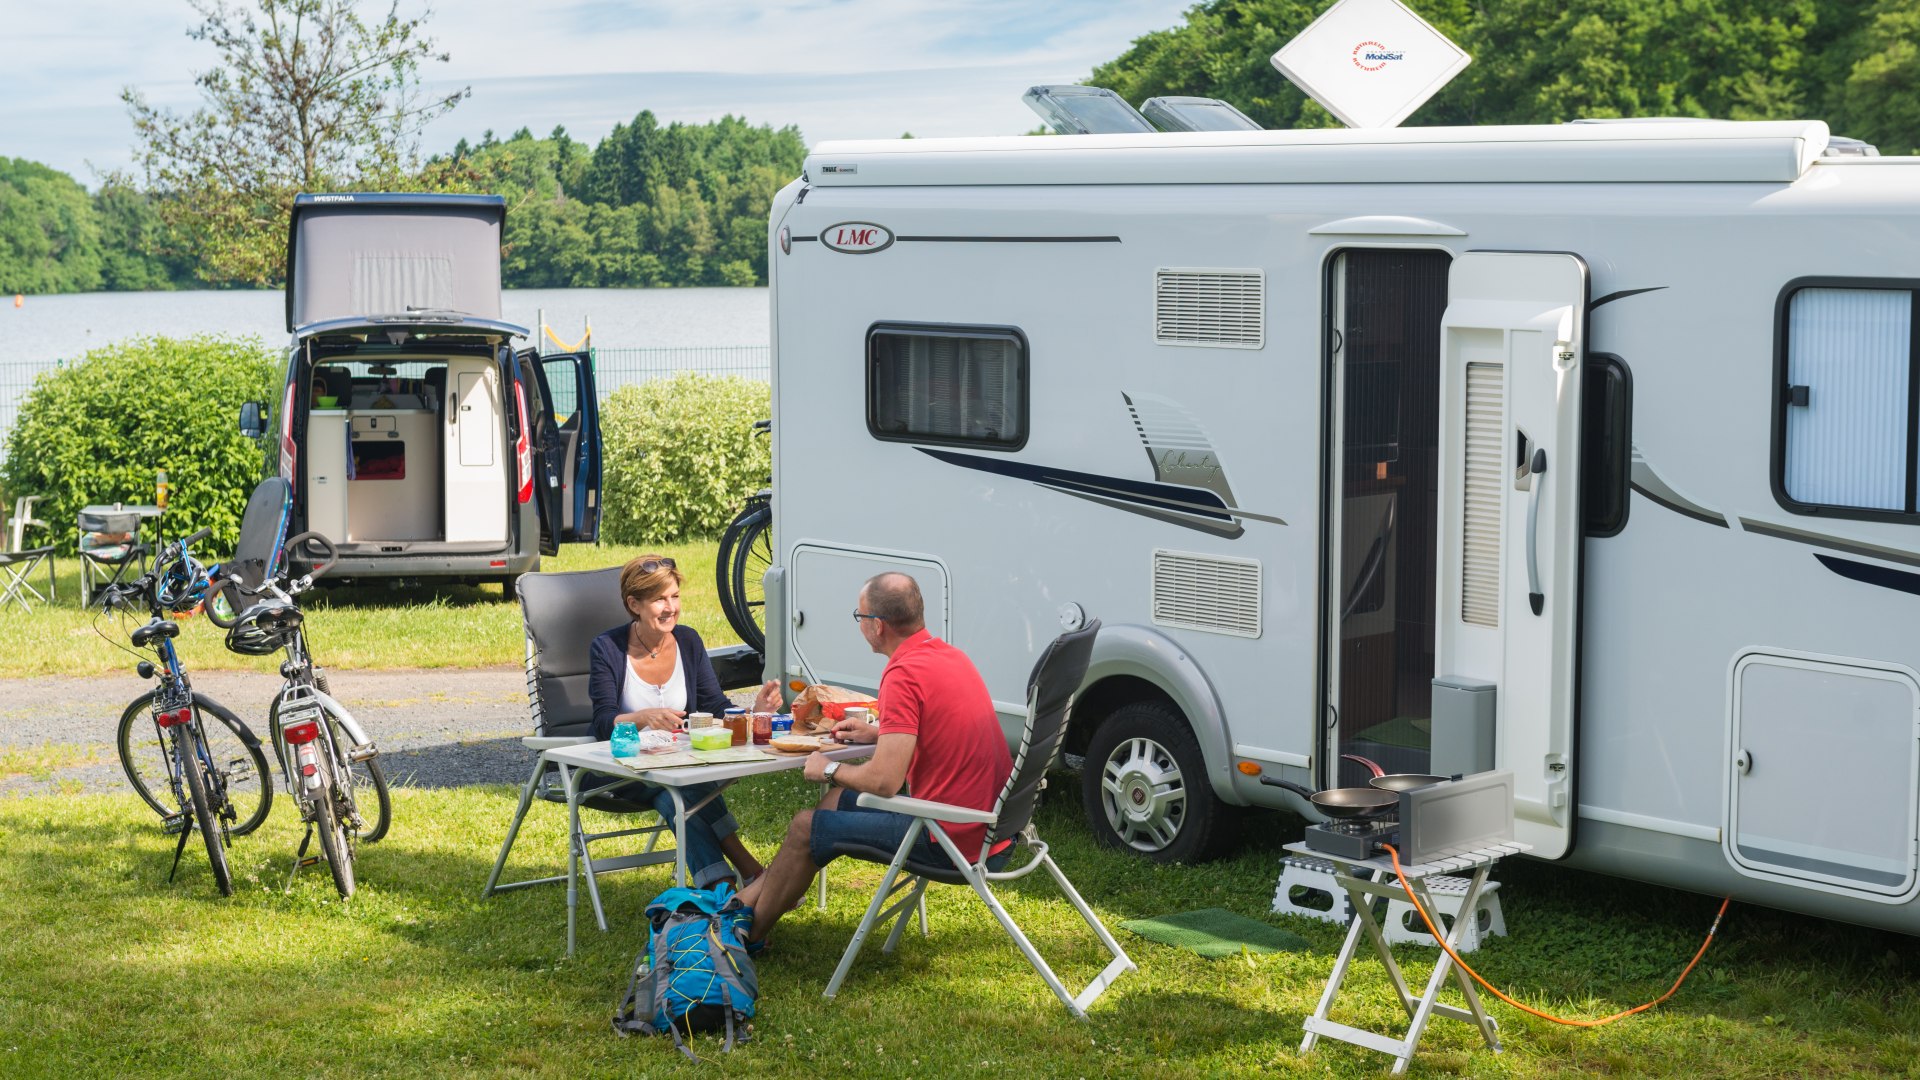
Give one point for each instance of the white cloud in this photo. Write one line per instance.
(836, 68)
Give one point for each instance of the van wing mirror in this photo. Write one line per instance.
(250, 424)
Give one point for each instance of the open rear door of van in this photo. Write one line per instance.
(569, 448)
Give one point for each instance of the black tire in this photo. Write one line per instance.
(744, 598)
(335, 847)
(205, 817)
(1144, 788)
(146, 757)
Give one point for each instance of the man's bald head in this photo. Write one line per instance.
(895, 598)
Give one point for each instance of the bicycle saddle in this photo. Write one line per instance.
(166, 629)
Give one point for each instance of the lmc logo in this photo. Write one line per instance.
(857, 237)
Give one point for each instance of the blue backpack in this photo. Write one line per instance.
(694, 974)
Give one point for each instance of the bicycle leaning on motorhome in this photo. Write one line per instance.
(329, 763)
(203, 776)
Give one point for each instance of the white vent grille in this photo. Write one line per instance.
(1207, 592)
(1222, 309)
(1480, 523)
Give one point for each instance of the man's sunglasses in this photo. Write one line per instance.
(651, 565)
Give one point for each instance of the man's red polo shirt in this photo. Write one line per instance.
(930, 690)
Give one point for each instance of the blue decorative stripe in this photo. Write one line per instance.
(1154, 496)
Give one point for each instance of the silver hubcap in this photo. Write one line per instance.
(1144, 795)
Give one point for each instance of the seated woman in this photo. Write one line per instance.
(651, 672)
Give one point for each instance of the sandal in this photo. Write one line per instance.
(755, 948)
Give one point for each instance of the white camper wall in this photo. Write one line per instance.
(474, 453)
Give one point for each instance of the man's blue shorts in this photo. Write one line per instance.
(852, 823)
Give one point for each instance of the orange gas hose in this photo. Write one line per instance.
(1435, 931)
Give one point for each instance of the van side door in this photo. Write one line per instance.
(574, 401)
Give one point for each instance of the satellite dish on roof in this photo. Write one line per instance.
(1370, 62)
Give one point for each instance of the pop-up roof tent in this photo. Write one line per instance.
(382, 256)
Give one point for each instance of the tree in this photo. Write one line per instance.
(307, 96)
(1882, 91)
(49, 237)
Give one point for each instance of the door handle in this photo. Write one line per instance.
(1538, 467)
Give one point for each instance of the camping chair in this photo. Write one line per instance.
(108, 538)
(1055, 678)
(563, 613)
(20, 561)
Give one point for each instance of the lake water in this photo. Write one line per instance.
(45, 329)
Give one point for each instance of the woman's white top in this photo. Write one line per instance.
(637, 693)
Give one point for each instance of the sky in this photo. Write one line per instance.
(839, 69)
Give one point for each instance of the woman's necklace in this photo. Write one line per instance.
(655, 651)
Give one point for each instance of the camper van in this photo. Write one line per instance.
(1590, 452)
(419, 432)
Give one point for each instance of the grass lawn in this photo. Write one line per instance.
(108, 970)
(359, 627)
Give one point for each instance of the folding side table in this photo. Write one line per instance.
(1370, 880)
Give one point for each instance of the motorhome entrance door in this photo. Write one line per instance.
(1510, 521)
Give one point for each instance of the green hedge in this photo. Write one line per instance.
(98, 430)
(679, 456)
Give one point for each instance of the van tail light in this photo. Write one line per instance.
(289, 451)
(522, 448)
(302, 733)
(172, 717)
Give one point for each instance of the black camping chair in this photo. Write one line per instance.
(563, 613)
(1056, 676)
(109, 544)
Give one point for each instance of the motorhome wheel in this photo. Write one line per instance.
(1144, 787)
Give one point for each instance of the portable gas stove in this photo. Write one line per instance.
(1353, 838)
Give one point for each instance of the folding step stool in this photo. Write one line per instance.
(1311, 876)
(1447, 893)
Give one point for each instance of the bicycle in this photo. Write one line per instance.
(216, 775)
(329, 763)
(739, 567)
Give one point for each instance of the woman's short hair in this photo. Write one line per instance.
(639, 585)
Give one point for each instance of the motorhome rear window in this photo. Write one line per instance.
(1846, 426)
(956, 385)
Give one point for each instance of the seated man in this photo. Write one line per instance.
(937, 734)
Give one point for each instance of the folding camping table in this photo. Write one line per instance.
(1369, 880)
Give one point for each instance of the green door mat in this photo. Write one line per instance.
(1216, 932)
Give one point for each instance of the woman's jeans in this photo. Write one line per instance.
(705, 827)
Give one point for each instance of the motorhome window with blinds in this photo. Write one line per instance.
(955, 385)
(1848, 429)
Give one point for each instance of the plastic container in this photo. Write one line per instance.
(781, 724)
(711, 738)
(626, 740)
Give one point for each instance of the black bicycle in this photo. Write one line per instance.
(199, 775)
(739, 569)
(329, 762)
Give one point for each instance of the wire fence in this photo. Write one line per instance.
(613, 369)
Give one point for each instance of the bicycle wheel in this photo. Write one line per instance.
(366, 793)
(147, 759)
(747, 590)
(205, 817)
(334, 843)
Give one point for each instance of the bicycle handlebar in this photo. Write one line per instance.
(195, 538)
(311, 537)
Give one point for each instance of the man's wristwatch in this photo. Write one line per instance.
(832, 767)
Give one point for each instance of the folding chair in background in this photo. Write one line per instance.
(20, 561)
(563, 613)
(108, 539)
(1049, 689)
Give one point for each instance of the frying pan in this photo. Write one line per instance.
(1345, 802)
(1387, 781)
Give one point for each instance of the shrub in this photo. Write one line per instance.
(98, 430)
(679, 455)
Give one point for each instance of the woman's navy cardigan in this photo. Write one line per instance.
(608, 673)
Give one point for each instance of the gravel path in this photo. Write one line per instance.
(435, 728)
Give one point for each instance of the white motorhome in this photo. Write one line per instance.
(417, 430)
(1588, 452)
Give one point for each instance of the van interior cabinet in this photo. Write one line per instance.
(394, 494)
(327, 471)
(475, 453)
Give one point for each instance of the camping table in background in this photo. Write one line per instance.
(668, 771)
(1379, 882)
